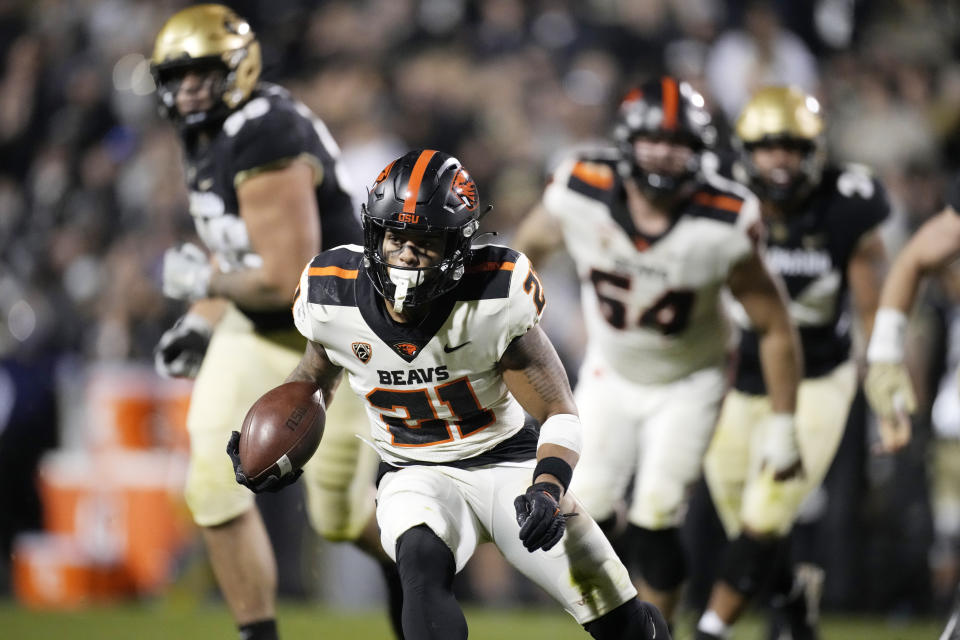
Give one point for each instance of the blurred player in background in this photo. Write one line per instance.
(655, 242)
(822, 238)
(888, 386)
(442, 340)
(266, 193)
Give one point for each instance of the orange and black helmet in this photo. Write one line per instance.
(663, 109)
(428, 192)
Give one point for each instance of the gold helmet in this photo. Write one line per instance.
(206, 36)
(782, 117)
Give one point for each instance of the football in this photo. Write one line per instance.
(282, 430)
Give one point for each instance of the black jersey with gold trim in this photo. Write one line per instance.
(434, 390)
(268, 132)
(811, 250)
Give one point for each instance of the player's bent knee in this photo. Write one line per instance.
(424, 561)
(748, 561)
(660, 552)
(632, 620)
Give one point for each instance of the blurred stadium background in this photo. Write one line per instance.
(91, 192)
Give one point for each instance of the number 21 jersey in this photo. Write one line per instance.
(434, 392)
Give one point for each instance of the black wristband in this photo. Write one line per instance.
(557, 467)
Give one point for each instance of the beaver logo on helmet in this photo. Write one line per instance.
(383, 175)
(465, 188)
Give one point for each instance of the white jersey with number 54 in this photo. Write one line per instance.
(651, 304)
(434, 392)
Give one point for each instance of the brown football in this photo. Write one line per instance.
(282, 430)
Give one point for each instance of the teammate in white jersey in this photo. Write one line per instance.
(442, 340)
(655, 243)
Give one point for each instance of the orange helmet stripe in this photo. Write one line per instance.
(416, 177)
(670, 99)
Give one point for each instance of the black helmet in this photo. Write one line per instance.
(663, 109)
(425, 191)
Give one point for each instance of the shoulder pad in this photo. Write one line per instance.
(487, 274)
(721, 198)
(593, 179)
(715, 204)
(859, 195)
(269, 129)
(332, 276)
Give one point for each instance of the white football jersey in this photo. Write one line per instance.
(434, 391)
(651, 305)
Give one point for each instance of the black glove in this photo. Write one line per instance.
(270, 483)
(538, 514)
(181, 347)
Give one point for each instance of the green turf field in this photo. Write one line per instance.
(160, 622)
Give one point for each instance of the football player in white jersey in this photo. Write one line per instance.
(888, 387)
(823, 240)
(266, 193)
(441, 339)
(655, 243)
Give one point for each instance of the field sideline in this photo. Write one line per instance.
(300, 621)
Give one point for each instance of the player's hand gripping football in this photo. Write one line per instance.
(538, 514)
(182, 347)
(781, 451)
(186, 272)
(890, 394)
(271, 483)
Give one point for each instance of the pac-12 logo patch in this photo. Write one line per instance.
(362, 350)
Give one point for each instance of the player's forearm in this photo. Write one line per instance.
(253, 289)
(782, 363)
(307, 371)
(900, 287)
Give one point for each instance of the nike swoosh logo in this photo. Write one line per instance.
(449, 349)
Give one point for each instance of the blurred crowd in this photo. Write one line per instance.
(91, 189)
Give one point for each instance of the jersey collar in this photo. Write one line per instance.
(406, 340)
